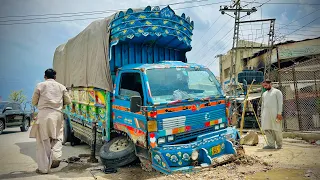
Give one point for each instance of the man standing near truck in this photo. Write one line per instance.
(271, 115)
(49, 97)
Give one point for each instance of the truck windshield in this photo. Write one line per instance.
(172, 84)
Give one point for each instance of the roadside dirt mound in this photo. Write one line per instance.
(237, 169)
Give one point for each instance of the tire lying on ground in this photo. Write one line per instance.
(118, 152)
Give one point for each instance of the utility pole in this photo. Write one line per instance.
(267, 64)
(237, 10)
(220, 68)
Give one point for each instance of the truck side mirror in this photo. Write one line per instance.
(135, 104)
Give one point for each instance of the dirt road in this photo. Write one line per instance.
(297, 160)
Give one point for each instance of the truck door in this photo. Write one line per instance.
(130, 83)
(10, 114)
(18, 114)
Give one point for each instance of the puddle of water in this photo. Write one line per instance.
(292, 174)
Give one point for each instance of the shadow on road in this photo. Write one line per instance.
(28, 149)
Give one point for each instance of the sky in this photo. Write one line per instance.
(28, 42)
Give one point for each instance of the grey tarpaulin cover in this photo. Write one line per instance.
(84, 61)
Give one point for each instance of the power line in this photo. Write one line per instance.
(248, 3)
(261, 4)
(102, 11)
(225, 24)
(210, 39)
(284, 29)
(40, 22)
(295, 21)
(304, 26)
(43, 22)
(293, 25)
(216, 53)
(299, 18)
(305, 35)
(285, 3)
(209, 4)
(207, 30)
(205, 55)
(57, 17)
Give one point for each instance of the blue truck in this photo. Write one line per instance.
(132, 78)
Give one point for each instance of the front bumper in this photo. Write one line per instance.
(209, 147)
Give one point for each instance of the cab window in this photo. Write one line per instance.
(130, 85)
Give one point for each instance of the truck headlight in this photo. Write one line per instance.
(222, 125)
(170, 138)
(216, 127)
(161, 140)
(195, 155)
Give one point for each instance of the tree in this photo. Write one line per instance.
(17, 96)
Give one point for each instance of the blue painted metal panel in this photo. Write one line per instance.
(150, 54)
(131, 54)
(161, 54)
(125, 54)
(171, 55)
(156, 54)
(159, 29)
(138, 53)
(171, 158)
(176, 56)
(111, 63)
(144, 54)
(166, 54)
(118, 56)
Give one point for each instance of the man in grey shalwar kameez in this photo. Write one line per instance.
(49, 97)
(271, 115)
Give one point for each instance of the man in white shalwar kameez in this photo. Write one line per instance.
(271, 115)
(49, 97)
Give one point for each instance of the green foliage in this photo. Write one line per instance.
(17, 96)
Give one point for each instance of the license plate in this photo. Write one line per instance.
(216, 149)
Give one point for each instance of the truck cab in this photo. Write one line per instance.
(176, 110)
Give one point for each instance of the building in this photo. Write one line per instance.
(225, 60)
(288, 54)
(283, 54)
(295, 68)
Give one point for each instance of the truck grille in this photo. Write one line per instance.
(194, 133)
(190, 120)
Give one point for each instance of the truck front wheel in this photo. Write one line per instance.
(117, 152)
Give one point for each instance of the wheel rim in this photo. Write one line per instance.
(26, 125)
(1, 126)
(119, 145)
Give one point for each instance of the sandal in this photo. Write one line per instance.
(40, 172)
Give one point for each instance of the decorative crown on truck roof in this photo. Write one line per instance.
(154, 26)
